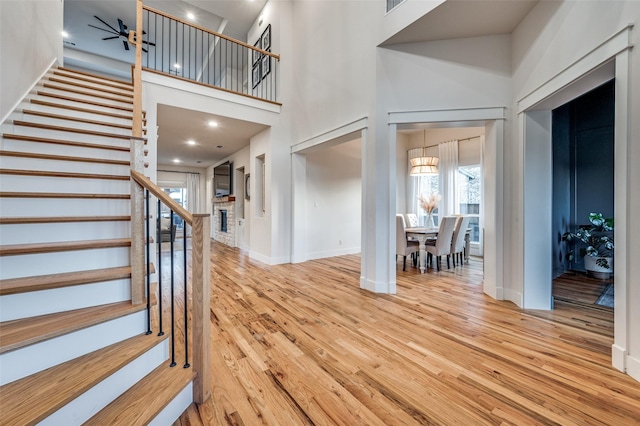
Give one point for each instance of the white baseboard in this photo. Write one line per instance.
(618, 357)
(269, 260)
(513, 295)
(633, 367)
(331, 253)
(378, 287)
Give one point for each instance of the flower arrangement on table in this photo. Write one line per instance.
(429, 204)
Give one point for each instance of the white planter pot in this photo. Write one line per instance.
(596, 270)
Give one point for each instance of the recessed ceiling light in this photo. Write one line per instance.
(191, 142)
(65, 34)
(191, 16)
(177, 65)
(219, 146)
(199, 161)
(176, 160)
(213, 123)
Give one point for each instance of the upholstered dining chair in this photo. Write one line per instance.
(442, 244)
(411, 221)
(457, 243)
(403, 246)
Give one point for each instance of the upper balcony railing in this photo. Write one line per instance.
(185, 50)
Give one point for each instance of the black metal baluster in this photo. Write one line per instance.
(186, 300)
(159, 228)
(148, 255)
(173, 325)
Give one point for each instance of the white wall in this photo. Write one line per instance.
(333, 198)
(30, 42)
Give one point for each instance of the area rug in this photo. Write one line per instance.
(606, 298)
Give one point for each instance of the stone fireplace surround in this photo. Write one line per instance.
(228, 204)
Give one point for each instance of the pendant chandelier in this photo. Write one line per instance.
(421, 163)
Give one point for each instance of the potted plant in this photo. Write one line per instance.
(598, 238)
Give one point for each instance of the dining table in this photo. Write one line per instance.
(422, 234)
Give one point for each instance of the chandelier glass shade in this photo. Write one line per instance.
(421, 163)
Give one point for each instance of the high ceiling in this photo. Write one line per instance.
(231, 17)
(452, 19)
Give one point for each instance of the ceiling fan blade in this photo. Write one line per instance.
(93, 26)
(126, 45)
(105, 23)
(111, 38)
(145, 50)
(123, 27)
(149, 43)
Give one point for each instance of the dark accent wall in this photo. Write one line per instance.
(583, 153)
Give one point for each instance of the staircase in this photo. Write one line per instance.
(73, 347)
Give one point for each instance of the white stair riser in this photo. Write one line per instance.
(23, 362)
(175, 408)
(21, 163)
(60, 262)
(64, 135)
(97, 80)
(95, 399)
(43, 96)
(58, 149)
(63, 122)
(96, 85)
(68, 231)
(61, 110)
(34, 303)
(31, 207)
(59, 184)
(115, 101)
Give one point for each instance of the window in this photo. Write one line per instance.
(392, 4)
(469, 197)
(427, 185)
(179, 195)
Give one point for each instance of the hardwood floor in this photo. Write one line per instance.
(303, 344)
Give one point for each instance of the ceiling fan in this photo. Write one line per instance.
(123, 32)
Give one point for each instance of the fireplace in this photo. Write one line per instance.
(223, 220)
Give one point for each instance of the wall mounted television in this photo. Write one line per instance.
(222, 180)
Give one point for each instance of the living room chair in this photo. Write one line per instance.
(404, 247)
(442, 245)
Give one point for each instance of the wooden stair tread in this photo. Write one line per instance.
(17, 194)
(33, 398)
(61, 219)
(28, 331)
(63, 158)
(80, 109)
(76, 119)
(97, 76)
(37, 248)
(21, 172)
(123, 98)
(70, 129)
(123, 85)
(28, 138)
(144, 400)
(84, 101)
(58, 80)
(67, 279)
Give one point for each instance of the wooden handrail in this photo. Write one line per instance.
(144, 182)
(166, 15)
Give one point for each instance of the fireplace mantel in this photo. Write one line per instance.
(223, 199)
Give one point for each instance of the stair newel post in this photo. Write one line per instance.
(137, 225)
(159, 245)
(137, 71)
(148, 256)
(173, 325)
(201, 306)
(186, 299)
